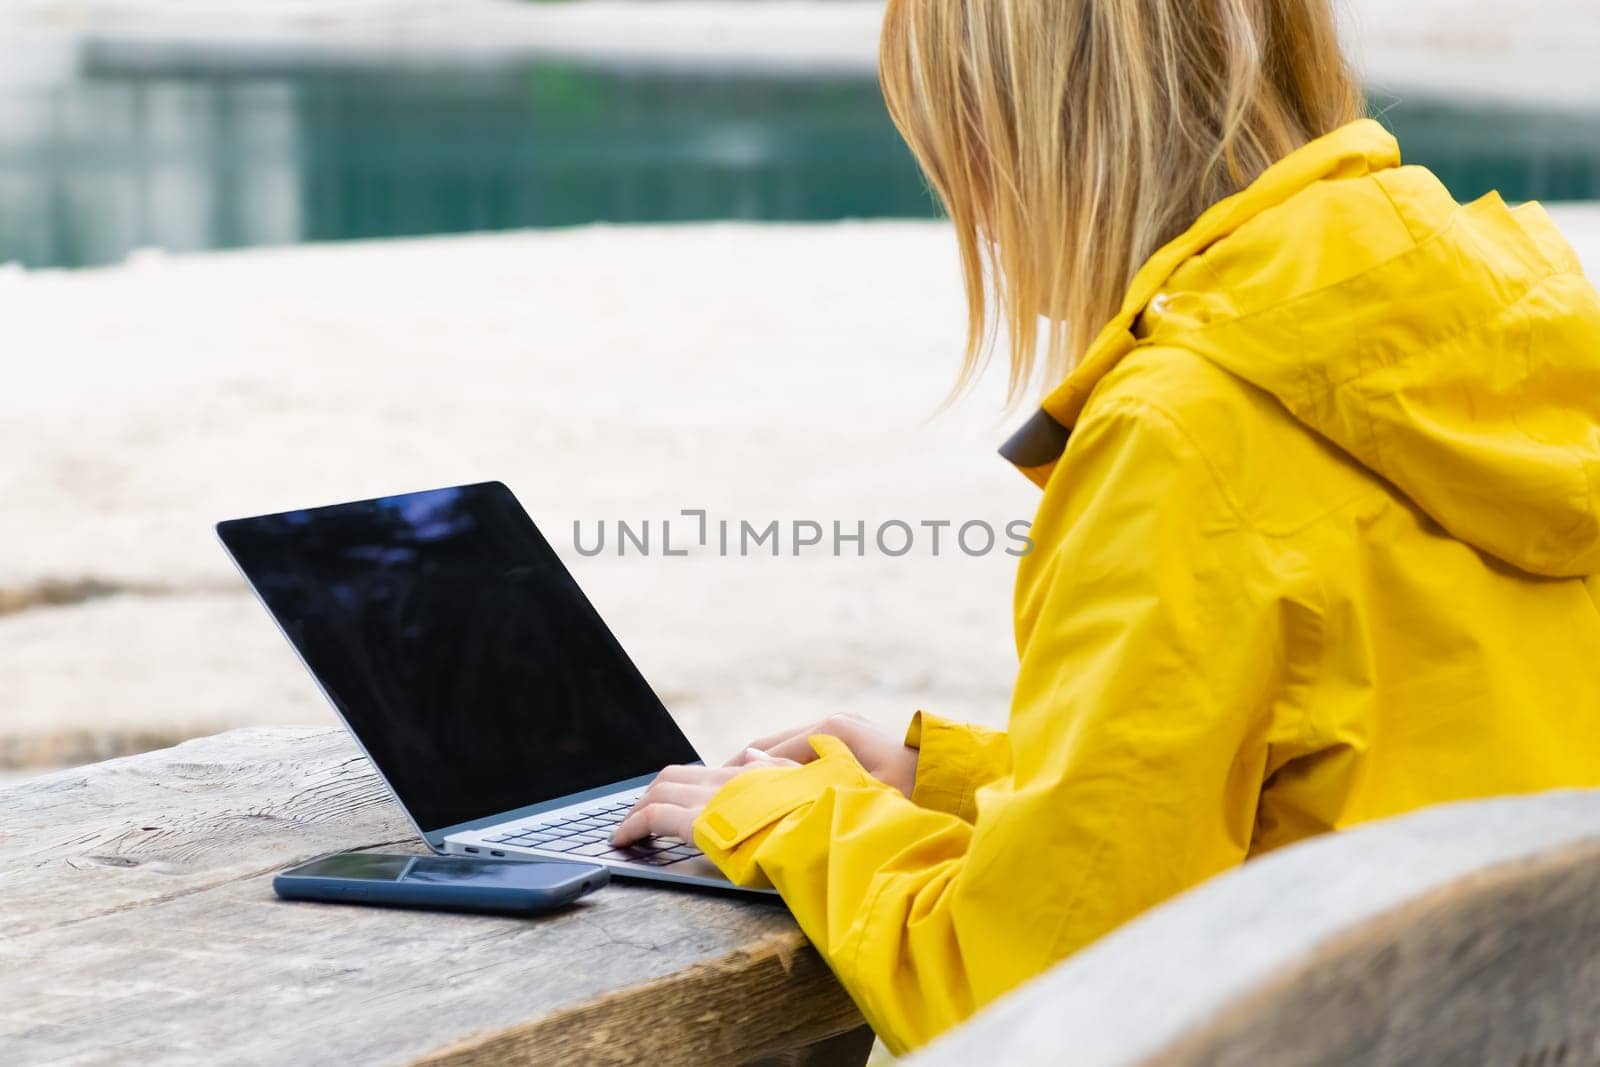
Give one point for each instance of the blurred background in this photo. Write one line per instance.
(629, 257)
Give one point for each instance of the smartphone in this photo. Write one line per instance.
(446, 883)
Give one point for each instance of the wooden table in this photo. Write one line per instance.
(138, 924)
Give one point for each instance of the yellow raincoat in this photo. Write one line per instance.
(1315, 552)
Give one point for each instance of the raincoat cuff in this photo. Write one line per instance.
(955, 759)
(757, 800)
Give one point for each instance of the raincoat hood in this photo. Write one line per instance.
(1452, 350)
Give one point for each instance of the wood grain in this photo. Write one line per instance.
(715, 1012)
(1468, 933)
(137, 921)
(1500, 967)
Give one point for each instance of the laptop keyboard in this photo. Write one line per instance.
(587, 833)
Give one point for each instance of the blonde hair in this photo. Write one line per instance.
(1070, 139)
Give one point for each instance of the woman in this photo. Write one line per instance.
(1321, 502)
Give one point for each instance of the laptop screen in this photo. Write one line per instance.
(458, 649)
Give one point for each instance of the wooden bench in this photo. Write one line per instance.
(1465, 934)
(138, 924)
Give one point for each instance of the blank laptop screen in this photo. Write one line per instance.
(458, 649)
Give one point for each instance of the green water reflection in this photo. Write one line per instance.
(125, 149)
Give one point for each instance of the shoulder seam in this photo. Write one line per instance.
(1400, 216)
(1133, 403)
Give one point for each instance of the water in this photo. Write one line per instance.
(104, 150)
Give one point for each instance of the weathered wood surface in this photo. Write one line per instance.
(138, 923)
(1466, 934)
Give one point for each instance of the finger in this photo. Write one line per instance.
(838, 718)
(798, 748)
(754, 757)
(766, 744)
(684, 794)
(659, 820)
(792, 744)
(746, 754)
(673, 783)
(687, 772)
(766, 759)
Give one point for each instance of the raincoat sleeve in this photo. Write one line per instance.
(954, 759)
(1136, 754)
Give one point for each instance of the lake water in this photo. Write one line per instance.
(109, 149)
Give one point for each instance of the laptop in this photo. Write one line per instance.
(474, 673)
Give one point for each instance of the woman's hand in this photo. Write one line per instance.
(881, 755)
(670, 804)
